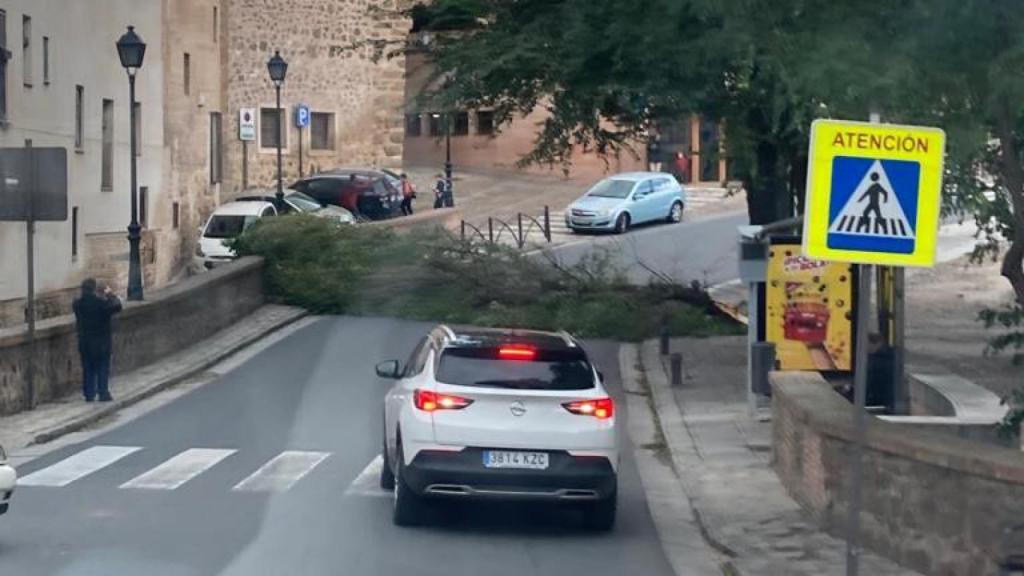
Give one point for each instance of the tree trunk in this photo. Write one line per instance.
(1013, 175)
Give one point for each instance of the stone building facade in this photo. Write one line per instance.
(205, 60)
(331, 48)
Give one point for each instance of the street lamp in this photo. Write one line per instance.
(278, 68)
(131, 49)
(447, 119)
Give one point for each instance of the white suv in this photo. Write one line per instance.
(507, 414)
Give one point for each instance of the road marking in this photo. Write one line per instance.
(179, 469)
(282, 472)
(77, 466)
(368, 481)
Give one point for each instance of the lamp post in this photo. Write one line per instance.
(446, 119)
(278, 68)
(131, 49)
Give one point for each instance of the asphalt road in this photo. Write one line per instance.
(264, 471)
(703, 249)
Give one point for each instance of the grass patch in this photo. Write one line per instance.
(434, 277)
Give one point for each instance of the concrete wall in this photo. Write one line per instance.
(938, 504)
(81, 52)
(169, 320)
(329, 45)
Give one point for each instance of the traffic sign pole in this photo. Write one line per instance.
(860, 387)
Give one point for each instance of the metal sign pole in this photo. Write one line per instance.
(245, 164)
(300, 152)
(860, 382)
(30, 311)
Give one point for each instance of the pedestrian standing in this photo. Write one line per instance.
(682, 168)
(93, 314)
(449, 193)
(440, 188)
(408, 193)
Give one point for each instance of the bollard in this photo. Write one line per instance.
(677, 369)
(664, 341)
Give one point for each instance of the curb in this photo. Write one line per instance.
(673, 428)
(157, 387)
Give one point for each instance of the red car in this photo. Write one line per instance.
(369, 194)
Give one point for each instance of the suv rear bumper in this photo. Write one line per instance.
(463, 474)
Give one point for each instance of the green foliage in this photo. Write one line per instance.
(331, 269)
(312, 262)
(1011, 319)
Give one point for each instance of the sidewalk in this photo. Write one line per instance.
(71, 413)
(723, 457)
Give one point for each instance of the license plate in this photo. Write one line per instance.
(506, 459)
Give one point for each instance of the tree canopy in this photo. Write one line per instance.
(607, 71)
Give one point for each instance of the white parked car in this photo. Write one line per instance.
(504, 414)
(620, 201)
(8, 478)
(297, 202)
(228, 221)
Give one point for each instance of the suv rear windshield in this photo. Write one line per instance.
(547, 370)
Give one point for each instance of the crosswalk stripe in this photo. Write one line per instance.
(282, 472)
(367, 482)
(77, 466)
(179, 469)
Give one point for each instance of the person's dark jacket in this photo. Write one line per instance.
(93, 314)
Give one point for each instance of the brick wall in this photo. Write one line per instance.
(940, 505)
(169, 320)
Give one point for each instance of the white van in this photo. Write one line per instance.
(228, 221)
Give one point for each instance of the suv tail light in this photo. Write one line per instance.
(600, 408)
(517, 353)
(430, 401)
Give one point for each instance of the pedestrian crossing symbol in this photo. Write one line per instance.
(873, 193)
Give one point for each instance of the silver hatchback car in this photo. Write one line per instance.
(620, 201)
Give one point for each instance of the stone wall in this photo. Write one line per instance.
(940, 505)
(169, 320)
(330, 46)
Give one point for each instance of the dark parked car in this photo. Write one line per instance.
(369, 194)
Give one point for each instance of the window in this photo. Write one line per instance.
(137, 129)
(79, 111)
(187, 74)
(321, 131)
(434, 125)
(216, 148)
(485, 122)
(107, 169)
(461, 124)
(74, 232)
(544, 370)
(175, 215)
(5, 57)
(413, 125)
(144, 206)
(216, 24)
(26, 49)
(46, 61)
(268, 130)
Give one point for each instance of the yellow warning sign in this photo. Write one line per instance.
(873, 193)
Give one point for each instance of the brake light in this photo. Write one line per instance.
(430, 401)
(517, 353)
(601, 408)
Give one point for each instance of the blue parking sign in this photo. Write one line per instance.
(302, 116)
